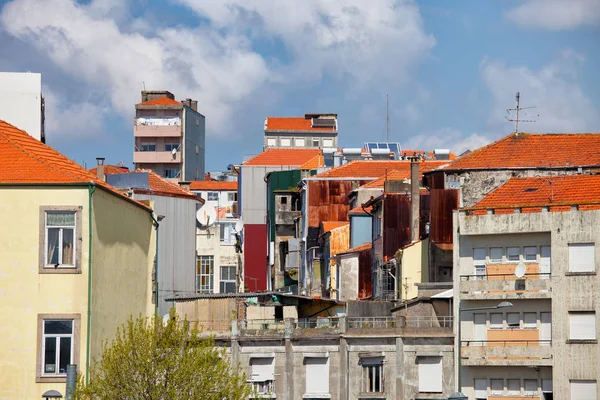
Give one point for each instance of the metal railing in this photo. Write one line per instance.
(262, 324)
(371, 322)
(504, 277)
(401, 322)
(307, 323)
(506, 343)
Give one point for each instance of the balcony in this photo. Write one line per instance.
(157, 128)
(153, 157)
(505, 286)
(505, 348)
(399, 324)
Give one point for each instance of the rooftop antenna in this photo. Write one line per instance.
(144, 85)
(387, 117)
(517, 111)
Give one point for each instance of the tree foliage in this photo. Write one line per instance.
(151, 360)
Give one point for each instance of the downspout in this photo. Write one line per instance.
(156, 225)
(91, 190)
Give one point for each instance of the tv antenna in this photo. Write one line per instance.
(387, 117)
(517, 111)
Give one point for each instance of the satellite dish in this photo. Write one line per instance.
(520, 270)
(239, 226)
(165, 319)
(206, 215)
(174, 151)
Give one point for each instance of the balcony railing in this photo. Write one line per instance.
(504, 277)
(507, 343)
(401, 322)
(506, 286)
(512, 352)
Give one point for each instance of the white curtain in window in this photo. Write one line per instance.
(582, 326)
(430, 374)
(581, 257)
(583, 390)
(317, 375)
(263, 369)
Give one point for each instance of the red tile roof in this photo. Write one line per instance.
(359, 248)
(214, 185)
(527, 150)
(26, 160)
(314, 163)
(163, 187)
(544, 191)
(111, 169)
(329, 225)
(161, 101)
(374, 169)
(286, 157)
(360, 210)
(293, 124)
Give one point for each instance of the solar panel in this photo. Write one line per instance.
(323, 122)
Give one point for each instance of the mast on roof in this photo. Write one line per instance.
(517, 111)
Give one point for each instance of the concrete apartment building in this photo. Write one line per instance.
(219, 264)
(169, 136)
(311, 131)
(22, 103)
(534, 243)
(76, 262)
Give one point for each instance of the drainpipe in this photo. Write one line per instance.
(156, 225)
(91, 190)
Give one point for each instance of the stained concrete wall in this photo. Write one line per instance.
(348, 266)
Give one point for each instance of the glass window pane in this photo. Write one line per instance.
(512, 319)
(60, 218)
(514, 386)
(58, 327)
(52, 256)
(529, 320)
(512, 253)
(67, 246)
(497, 386)
(496, 321)
(50, 355)
(496, 254)
(530, 253)
(65, 354)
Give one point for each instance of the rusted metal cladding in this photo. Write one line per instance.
(339, 240)
(328, 201)
(396, 223)
(365, 282)
(434, 180)
(425, 203)
(443, 203)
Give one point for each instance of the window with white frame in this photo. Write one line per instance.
(171, 173)
(327, 142)
(497, 386)
(583, 389)
(479, 256)
(316, 142)
(530, 253)
(204, 274)
(60, 228)
(212, 196)
(227, 232)
(529, 320)
(480, 389)
(299, 142)
(372, 375)
(232, 196)
(285, 142)
(581, 257)
(227, 281)
(148, 147)
(496, 254)
(171, 146)
(496, 321)
(547, 389)
(263, 375)
(317, 376)
(513, 387)
(57, 346)
(531, 387)
(271, 142)
(582, 325)
(513, 254)
(430, 374)
(513, 320)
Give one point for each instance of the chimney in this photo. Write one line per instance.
(100, 168)
(414, 199)
(185, 184)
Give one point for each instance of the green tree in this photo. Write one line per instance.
(151, 360)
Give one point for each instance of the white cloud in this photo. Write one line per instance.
(554, 90)
(556, 14)
(447, 138)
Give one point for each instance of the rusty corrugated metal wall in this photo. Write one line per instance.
(425, 213)
(396, 223)
(328, 201)
(365, 281)
(339, 240)
(443, 203)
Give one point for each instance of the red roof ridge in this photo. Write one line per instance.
(214, 185)
(304, 155)
(160, 101)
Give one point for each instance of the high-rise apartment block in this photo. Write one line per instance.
(21, 102)
(169, 136)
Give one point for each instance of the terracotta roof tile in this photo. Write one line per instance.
(213, 185)
(314, 163)
(293, 124)
(161, 186)
(161, 101)
(287, 157)
(377, 168)
(528, 150)
(359, 210)
(111, 169)
(544, 191)
(359, 248)
(26, 160)
(329, 225)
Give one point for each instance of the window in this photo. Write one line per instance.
(263, 372)
(530, 253)
(286, 143)
(317, 376)
(212, 196)
(497, 386)
(59, 248)
(299, 142)
(496, 321)
(316, 143)
(327, 142)
(480, 389)
(372, 375)
(204, 274)
(171, 146)
(512, 320)
(148, 147)
(581, 257)
(197, 152)
(271, 142)
(58, 346)
(513, 253)
(547, 389)
(232, 196)
(583, 390)
(171, 172)
(496, 254)
(228, 280)
(479, 262)
(531, 387)
(514, 386)
(530, 320)
(227, 232)
(430, 374)
(582, 325)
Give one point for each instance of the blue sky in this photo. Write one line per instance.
(450, 68)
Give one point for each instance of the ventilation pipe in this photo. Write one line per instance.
(414, 199)
(100, 168)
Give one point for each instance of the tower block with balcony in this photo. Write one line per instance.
(169, 136)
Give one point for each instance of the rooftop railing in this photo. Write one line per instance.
(504, 277)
